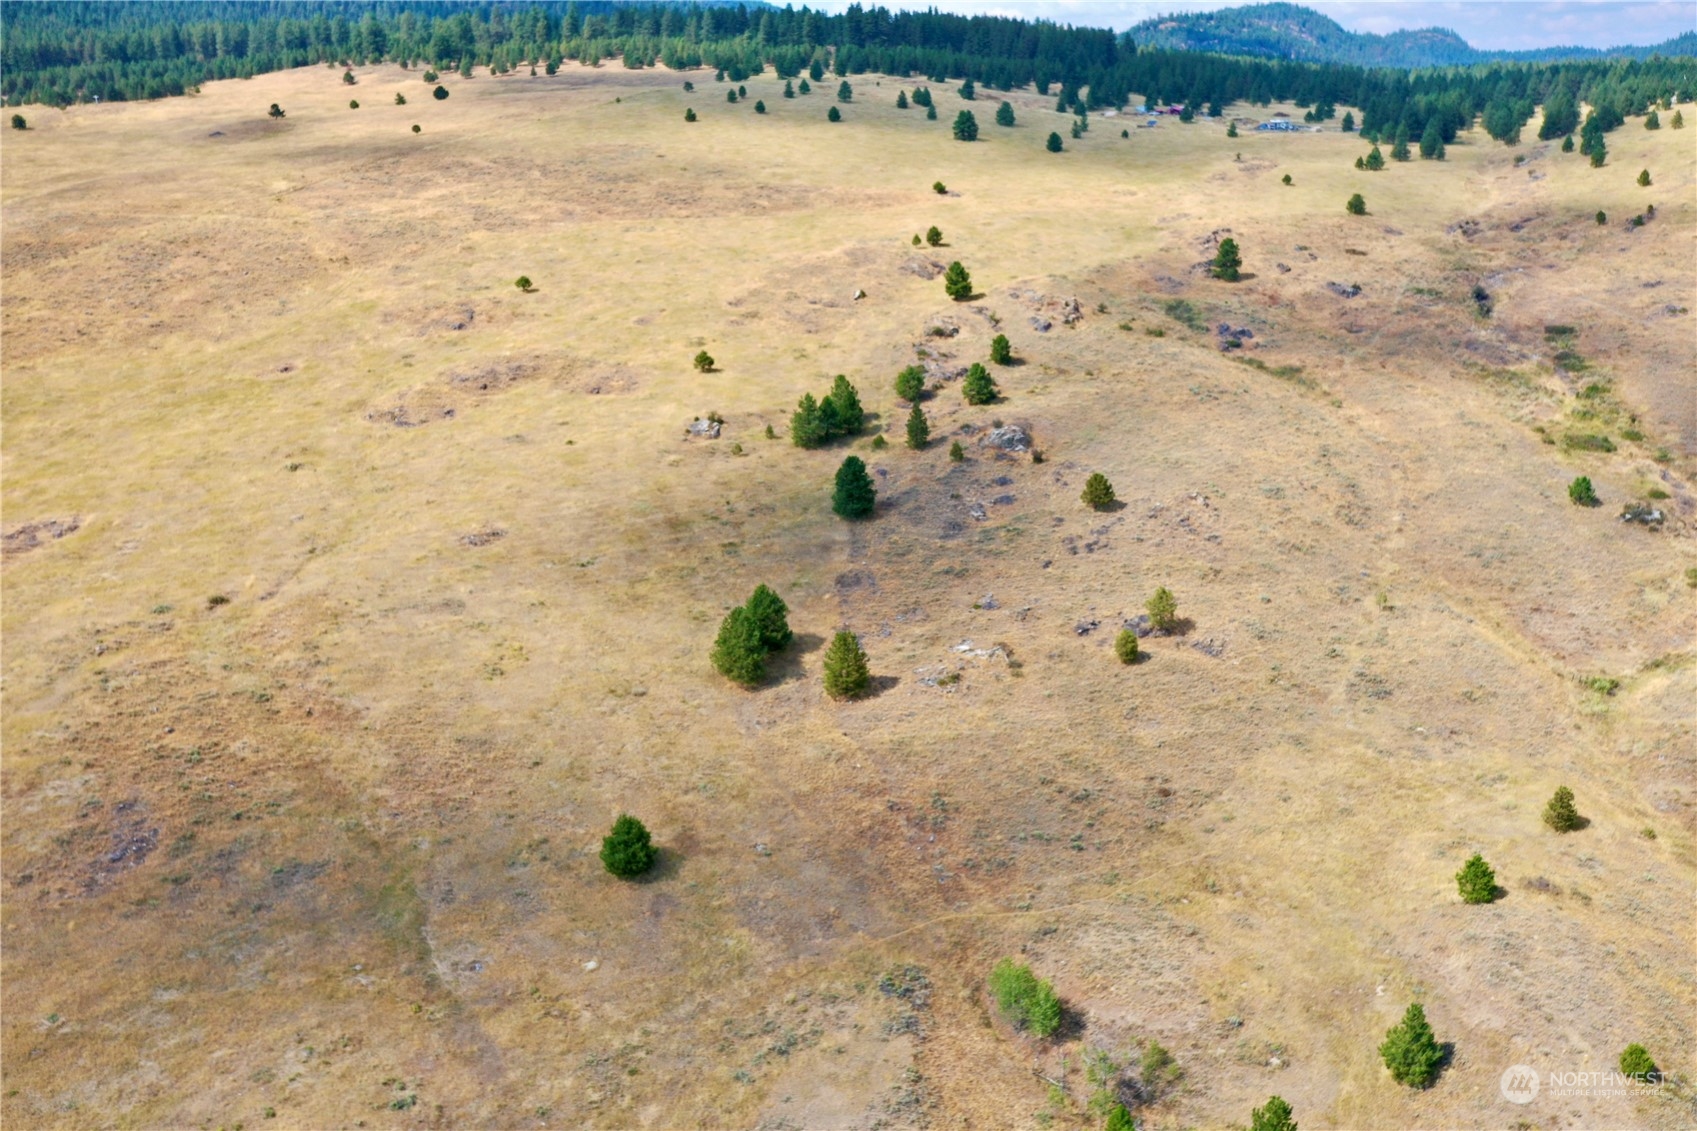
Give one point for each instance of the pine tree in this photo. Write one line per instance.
(1644, 179)
(901, 100)
(689, 115)
(846, 673)
(353, 104)
(1599, 153)
(1098, 492)
(1356, 205)
(834, 115)
(18, 122)
(1635, 1061)
(816, 71)
(845, 92)
(930, 112)
(1163, 609)
(1410, 1051)
(966, 126)
(440, 93)
(844, 400)
(1560, 813)
(1399, 151)
(854, 497)
(1678, 121)
(1348, 124)
(789, 89)
(805, 87)
(1375, 161)
(760, 106)
(1476, 881)
(956, 452)
(979, 387)
(1004, 114)
(1653, 122)
(703, 360)
(1274, 1117)
(1227, 262)
(1567, 144)
(910, 383)
(1001, 353)
(934, 236)
(807, 427)
(957, 283)
(737, 651)
(1580, 492)
(730, 96)
(1125, 646)
(1119, 1119)
(1431, 140)
(968, 90)
(918, 429)
(628, 850)
(1054, 143)
(770, 616)
(1602, 218)
(1231, 129)
(276, 111)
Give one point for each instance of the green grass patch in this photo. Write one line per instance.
(1587, 442)
(1181, 310)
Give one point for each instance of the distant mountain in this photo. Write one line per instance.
(1290, 31)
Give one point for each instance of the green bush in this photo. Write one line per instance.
(1054, 143)
(1159, 1069)
(934, 236)
(522, 283)
(430, 76)
(1125, 646)
(1587, 442)
(957, 282)
(739, 652)
(770, 616)
(18, 122)
(901, 100)
(1476, 881)
(1024, 999)
(846, 673)
(1163, 609)
(1098, 492)
(1581, 492)
(704, 362)
(1560, 813)
(845, 92)
(956, 452)
(939, 188)
(1119, 1119)
(760, 107)
(965, 127)
(353, 104)
(628, 851)
(689, 114)
(1635, 1061)
(1276, 1116)
(1004, 114)
(439, 93)
(854, 496)
(979, 387)
(910, 383)
(1356, 205)
(1410, 1051)
(1001, 352)
(1644, 179)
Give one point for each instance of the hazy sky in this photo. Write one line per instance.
(1508, 26)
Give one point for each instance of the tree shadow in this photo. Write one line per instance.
(668, 865)
(784, 665)
(880, 684)
(1074, 1023)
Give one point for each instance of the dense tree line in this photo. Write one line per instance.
(60, 52)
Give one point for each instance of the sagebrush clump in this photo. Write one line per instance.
(1025, 999)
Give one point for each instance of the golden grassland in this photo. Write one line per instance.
(324, 852)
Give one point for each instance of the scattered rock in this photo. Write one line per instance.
(483, 537)
(496, 375)
(24, 538)
(1041, 325)
(1001, 500)
(987, 602)
(1467, 229)
(1241, 334)
(859, 294)
(1008, 438)
(1389, 231)
(922, 267)
(1642, 512)
(1281, 268)
(1209, 647)
(1086, 627)
(942, 328)
(977, 511)
(1071, 313)
(706, 429)
(1002, 481)
(1344, 292)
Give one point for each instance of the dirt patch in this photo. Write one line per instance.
(23, 539)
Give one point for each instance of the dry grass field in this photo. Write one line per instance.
(380, 587)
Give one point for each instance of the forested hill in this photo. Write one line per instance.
(61, 52)
(1290, 31)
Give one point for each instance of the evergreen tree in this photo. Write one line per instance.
(1004, 114)
(968, 91)
(789, 89)
(1163, 609)
(1602, 218)
(1560, 813)
(901, 100)
(918, 429)
(1001, 353)
(1125, 646)
(523, 283)
(844, 400)
(1356, 206)
(1399, 151)
(845, 92)
(1410, 1051)
(930, 112)
(730, 96)
(276, 111)
(934, 236)
(1359, 164)
(440, 93)
(1231, 129)
(18, 122)
(689, 115)
(1635, 1061)
(1274, 1117)
(1476, 880)
(1119, 1119)
(1678, 121)
(807, 427)
(1054, 143)
(400, 99)
(816, 71)
(834, 115)
(1599, 154)
(1644, 179)
(1227, 261)
(703, 361)
(854, 497)
(760, 106)
(804, 87)
(956, 452)
(1653, 122)
(770, 616)
(979, 387)
(1348, 124)
(966, 126)
(1567, 144)
(910, 383)
(847, 675)
(1098, 492)
(1432, 139)
(738, 652)
(957, 283)
(1580, 492)
(1375, 161)
(1187, 114)
(628, 850)
(1561, 115)
(939, 188)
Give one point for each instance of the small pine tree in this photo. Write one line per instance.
(742, 91)
(400, 99)
(1567, 144)
(1476, 881)
(918, 429)
(1125, 646)
(916, 239)
(1163, 609)
(1076, 132)
(846, 673)
(854, 497)
(1119, 1119)
(1560, 813)
(348, 78)
(353, 104)
(934, 236)
(738, 652)
(1602, 217)
(1599, 153)
(1098, 492)
(1356, 205)
(1359, 164)
(1348, 123)
(1285, 180)
(1231, 129)
(956, 452)
(807, 426)
(1054, 143)
(730, 96)
(844, 401)
(1399, 150)
(704, 362)
(522, 283)
(804, 87)
(770, 616)
(276, 111)
(1375, 160)
(1644, 179)
(689, 115)
(1004, 114)
(1431, 139)
(816, 70)
(1635, 1061)
(417, 128)
(1227, 261)
(910, 383)
(979, 387)
(18, 122)
(789, 89)
(834, 115)
(1580, 492)
(1274, 1117)
(1653, 122)
(845, 92)
(441, 92)
(968, 90)
(760, 106)
(1410, 1051)
(1678, 121)
(901, 100)
(930, 112)
(628, 850)
(957, 283)
(939, 188)
(1001, 352)
(966, 126)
